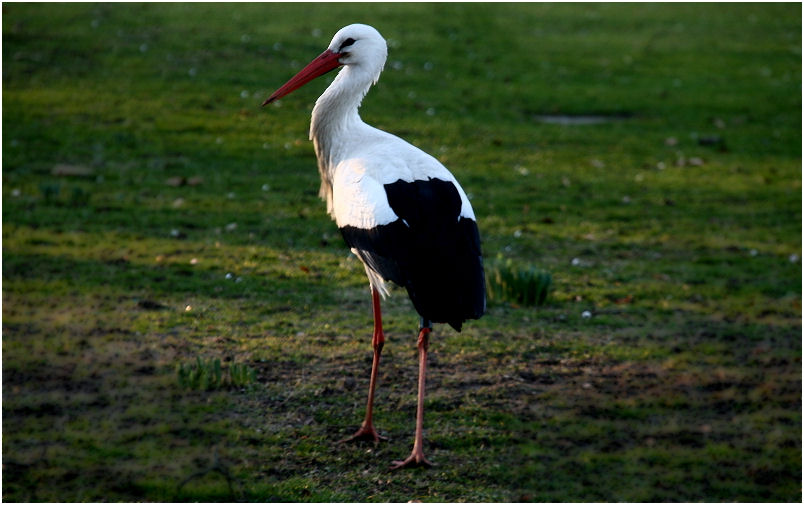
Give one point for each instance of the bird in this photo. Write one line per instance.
(399, 210)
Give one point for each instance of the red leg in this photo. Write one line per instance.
(416, 457)
(367, 431)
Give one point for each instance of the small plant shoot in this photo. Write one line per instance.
(519, 284)
(207, 375)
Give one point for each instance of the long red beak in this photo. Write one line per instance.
(324, 63)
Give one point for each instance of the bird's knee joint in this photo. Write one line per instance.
(424, 339)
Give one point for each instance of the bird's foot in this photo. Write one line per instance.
(416, 458)
(365, 433)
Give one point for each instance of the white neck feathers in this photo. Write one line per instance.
(335, 115)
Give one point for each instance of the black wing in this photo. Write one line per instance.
(431, 250)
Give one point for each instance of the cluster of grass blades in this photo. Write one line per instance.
(207, 375)
(52, 195)
(520, 284)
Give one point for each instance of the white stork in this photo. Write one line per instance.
(399, 209)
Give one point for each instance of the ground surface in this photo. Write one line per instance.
(648, 156)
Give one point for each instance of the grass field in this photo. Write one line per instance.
(647, 156)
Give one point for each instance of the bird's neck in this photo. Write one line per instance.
(335, 117)
(335, 111)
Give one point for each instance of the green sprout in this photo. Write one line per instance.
(207, 375)
(524, 285)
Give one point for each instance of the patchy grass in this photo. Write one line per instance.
(647, 156)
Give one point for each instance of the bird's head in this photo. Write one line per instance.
(358, 46)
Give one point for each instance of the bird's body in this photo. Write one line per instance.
(398, 208)
(405, 216)
(389, 199)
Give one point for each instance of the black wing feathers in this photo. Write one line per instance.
(430, 250)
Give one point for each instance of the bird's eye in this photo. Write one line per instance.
(346, 43)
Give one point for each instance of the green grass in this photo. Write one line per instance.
(518, 284)
(153, 214)
(208, 374)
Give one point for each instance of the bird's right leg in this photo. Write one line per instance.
(367, 431)
(417, 457)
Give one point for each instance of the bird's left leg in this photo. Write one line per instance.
(416, 457)
(366, 430)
